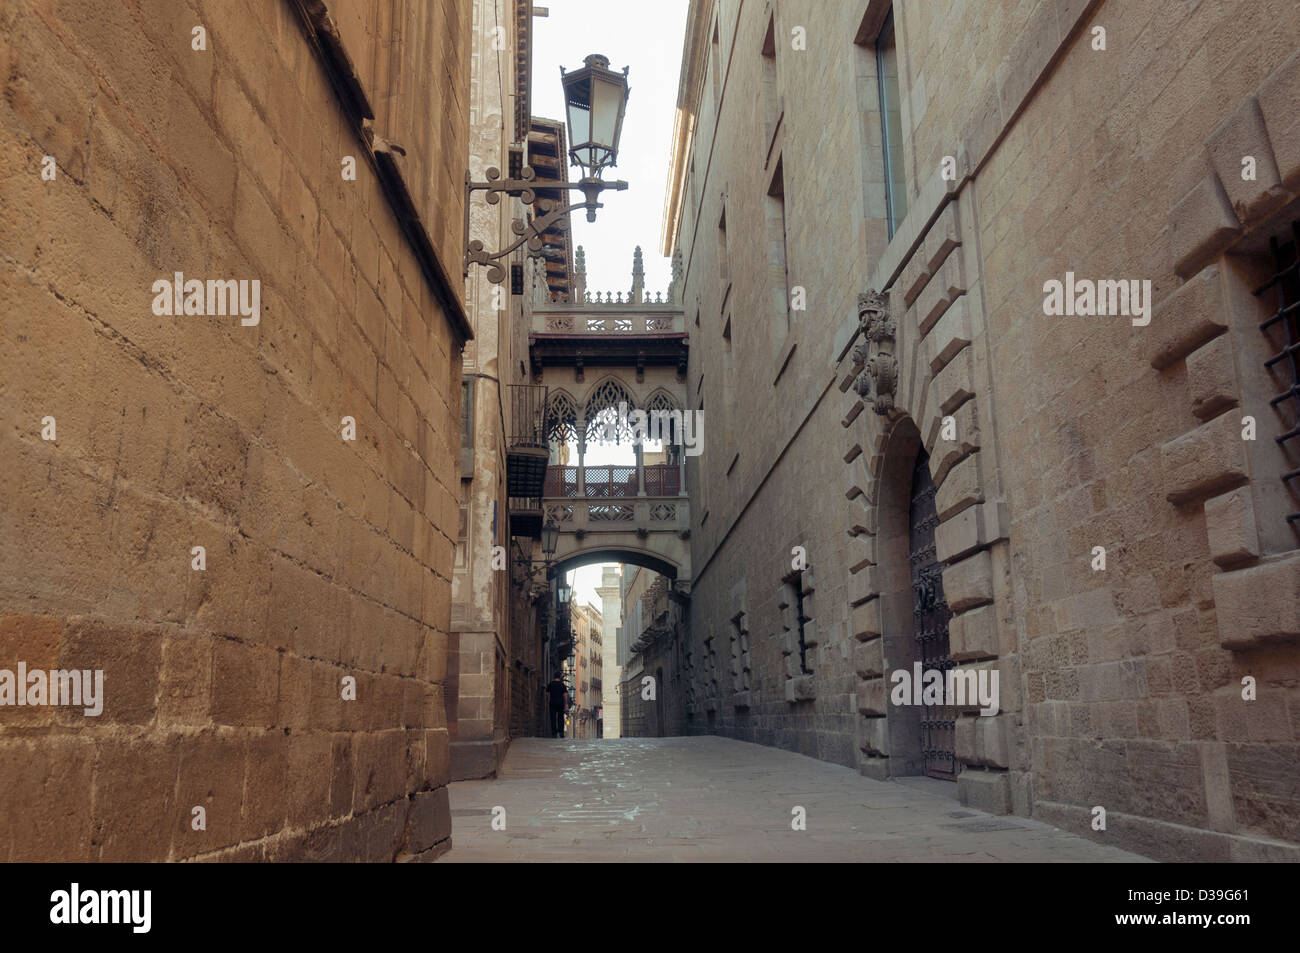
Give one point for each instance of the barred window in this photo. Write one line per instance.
(1282, 329)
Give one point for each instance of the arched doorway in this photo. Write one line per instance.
(930, 615)
(913, 610)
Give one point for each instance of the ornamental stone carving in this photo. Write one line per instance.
(878, 329)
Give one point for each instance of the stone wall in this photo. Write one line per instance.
(1121, 687)
(481, 629)
(324, 559)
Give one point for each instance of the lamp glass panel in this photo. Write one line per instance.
(607, 96)
(579, 122)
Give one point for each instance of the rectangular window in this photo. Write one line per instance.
(797, 585)
(891, 125)
(1282, 334)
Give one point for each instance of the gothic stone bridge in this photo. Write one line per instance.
(594, 353)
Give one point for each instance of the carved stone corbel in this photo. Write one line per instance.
(879, 380)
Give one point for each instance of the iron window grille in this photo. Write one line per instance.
(1286, 279)
(796, 584)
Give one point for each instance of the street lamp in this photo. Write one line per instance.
(596, 99)
(550, 539)
(563, 591)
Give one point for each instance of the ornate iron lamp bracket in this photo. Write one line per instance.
(525, 188)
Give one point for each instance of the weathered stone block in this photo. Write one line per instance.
(1205, 461)
(962, 487)
(985, 790)
(1258, 604)
(869, 658)
(944, 236)
(264, 808)
(1201, 227)
(185, 688)
(428, 820)
(873, 736)
(1212, 378)
(865, 622)
(1186, 319)
(945, 454)
(134, 789)
(131, 660)
(955, 384)
(1230, 521)
(1277, 97)
(969, 583)
(48, 782)
(984, 741)
(969, 530)
(874, 767)
(211, 776)
(873, 696)
(950, 334)
(913, 278)
(810, 635)
(799, 688)
(1243, 134)
(935, 299)
(245, 684)
(973, 634)
(1026, 65)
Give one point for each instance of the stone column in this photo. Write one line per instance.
(582, 453)
(640, 467)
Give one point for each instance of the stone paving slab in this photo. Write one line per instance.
(716, 799)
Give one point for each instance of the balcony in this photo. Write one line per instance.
(526, 447)
(526, 516)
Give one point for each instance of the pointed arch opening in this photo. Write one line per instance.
(607, 409)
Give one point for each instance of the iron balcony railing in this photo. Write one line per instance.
(528, 416)
(526, 449)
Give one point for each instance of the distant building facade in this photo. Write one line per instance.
(585, 666)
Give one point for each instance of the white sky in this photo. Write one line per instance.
(647, 38)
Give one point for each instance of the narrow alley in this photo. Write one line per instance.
(716, 799)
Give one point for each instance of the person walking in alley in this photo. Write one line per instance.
(559, 705)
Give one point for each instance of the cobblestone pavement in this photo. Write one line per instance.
(715, 799)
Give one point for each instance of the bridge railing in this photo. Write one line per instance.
(582, 321)
(612, 482)
(619, 514)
